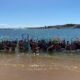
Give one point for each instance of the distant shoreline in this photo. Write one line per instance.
(73, 26)
(64, 26)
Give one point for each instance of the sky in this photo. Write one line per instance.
(35, 13)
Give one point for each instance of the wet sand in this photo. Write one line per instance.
(40, 67)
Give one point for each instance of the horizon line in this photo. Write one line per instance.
(7, 26)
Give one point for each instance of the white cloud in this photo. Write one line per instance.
(12, 26)
(18, 26)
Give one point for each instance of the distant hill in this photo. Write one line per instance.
(59, 26)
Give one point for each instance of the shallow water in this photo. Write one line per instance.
(41, 62)
(31, 67)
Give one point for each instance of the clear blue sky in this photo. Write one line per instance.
(23, 13)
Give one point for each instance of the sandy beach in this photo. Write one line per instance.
(31, 67)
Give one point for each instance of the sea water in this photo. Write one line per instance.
(12, 34)
(41, 67)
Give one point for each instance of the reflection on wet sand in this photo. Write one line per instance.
(39, 67)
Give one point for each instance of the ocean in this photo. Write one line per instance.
(13, 34)
(60, 66)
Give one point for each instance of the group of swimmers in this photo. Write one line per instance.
(39, 46)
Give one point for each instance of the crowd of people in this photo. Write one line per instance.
(39, 46)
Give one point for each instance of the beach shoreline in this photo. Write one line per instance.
(39, 67)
